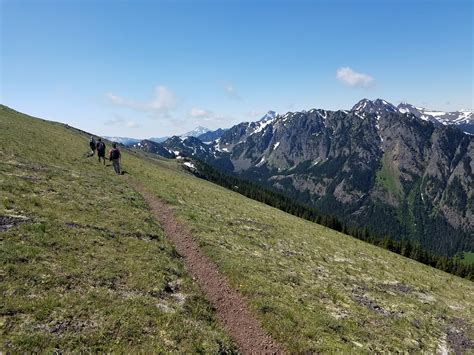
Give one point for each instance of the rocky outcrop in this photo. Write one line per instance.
(375, 165)
(372, 162)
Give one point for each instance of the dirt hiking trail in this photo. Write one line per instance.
(231, 307)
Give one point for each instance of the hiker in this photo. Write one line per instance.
(115, 157)
(101, 150)
(92, 144)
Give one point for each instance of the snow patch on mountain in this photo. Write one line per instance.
(189, 165)
(270, 115)
(196, 132)
(261, 161)
(379, 106)
(461, 117)
(261, 125)
(123, 140)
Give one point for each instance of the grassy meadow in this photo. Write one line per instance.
(468, 257)
(91, 262)
(313, 288)
(87, 268)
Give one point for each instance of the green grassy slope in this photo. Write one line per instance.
(312, 288)
(468, 258)
(90, 269)
(387, 178)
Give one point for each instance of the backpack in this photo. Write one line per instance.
(100, 147)
(114, 154)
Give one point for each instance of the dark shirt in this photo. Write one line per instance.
(101, 147)
(114, 153)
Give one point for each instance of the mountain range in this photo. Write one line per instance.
(402, 172)
(463, 119)
(93, 260)
(203, 133)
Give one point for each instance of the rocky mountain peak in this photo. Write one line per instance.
(376, 106)
(196, 132)
(462, 118)
(405, 107)
(373, 162)
(270, 115)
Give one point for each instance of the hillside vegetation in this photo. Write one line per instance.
(90, 269)
(403, 177)
(87, 267)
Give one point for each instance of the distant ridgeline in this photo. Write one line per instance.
(288, 204)
(402, 172)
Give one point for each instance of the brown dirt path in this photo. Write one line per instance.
(232, 310)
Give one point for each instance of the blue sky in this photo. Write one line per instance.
(153, 68)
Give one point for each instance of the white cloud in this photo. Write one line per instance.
(231, 91)
(229, 88)
(114, 121)
(164, 99)
(162, 102)
(119, 121)
(205, 116)
(197, 112)
(132, 124)
(117, 100)
(352, 78)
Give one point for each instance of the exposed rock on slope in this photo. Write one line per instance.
(376, 165)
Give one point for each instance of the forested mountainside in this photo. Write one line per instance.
(394, 172)
(88, 268)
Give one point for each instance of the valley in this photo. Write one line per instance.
(99, 269)
(373, 163)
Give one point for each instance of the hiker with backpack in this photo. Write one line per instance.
(115, 157)
(101, 150)
(92, 145)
